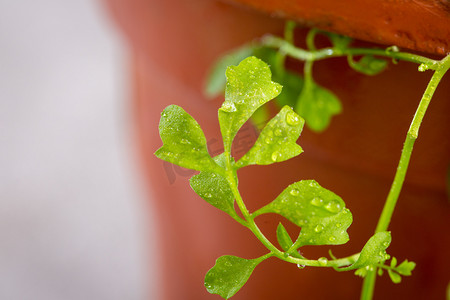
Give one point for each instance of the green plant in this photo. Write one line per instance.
(321, 214)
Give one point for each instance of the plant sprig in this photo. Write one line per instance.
(320, 213)
(316, 104)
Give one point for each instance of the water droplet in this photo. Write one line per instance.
(208, 195)
(294, 192)
(338, 225)
(317, 201)
(302, 222)
(333, 206)
(422, 67)
(386, 244)
(275, 156)
(323, 261)
(311, 241)
(292, 118)
(268, 140)
(228, 106)
(300, 266)
(332, 238)
(313, 184)
(387, 256)
(213, 175)
(318, 228)
(278, 132)
(185, 141)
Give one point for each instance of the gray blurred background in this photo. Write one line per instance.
(73, 219)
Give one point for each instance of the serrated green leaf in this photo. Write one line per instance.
(368, 64)
(229, 274)
(405, 267)
(396, 278)
(292, 82)
(319, 212)
(216, 80)
(277, 141)
(317, 105)
(249, 86)
(214, 188)
(374, 251)
(184, 143)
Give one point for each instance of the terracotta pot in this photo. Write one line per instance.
(173, 44)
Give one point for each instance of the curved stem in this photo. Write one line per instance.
(301, 54)
(274, 251)
(413, 132)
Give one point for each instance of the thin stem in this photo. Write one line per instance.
(413, 132)
(301, 54)
(274, 251)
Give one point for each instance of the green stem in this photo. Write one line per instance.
(274, 251)
(301, 54)
(413, 132)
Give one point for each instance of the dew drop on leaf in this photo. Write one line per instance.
(318, 228)
(278, 132)
(228, 106)
(333, 206)
(317, 201)
(292, 118)
(275, 155)
(294, 192)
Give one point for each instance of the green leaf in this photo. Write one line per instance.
(292, 82)
(406, 267)
(184, 143)
(340, 42)
(277, 141)
(260, 117)
(396, 278)
(319, 212)
(317, 105)
(249, 86)
(229, 274)
(368, 64)
(214, 188)
(292, 87)
(285, 241)
(216, 80)
(283, 237)
(374, 251)
(393, 262)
